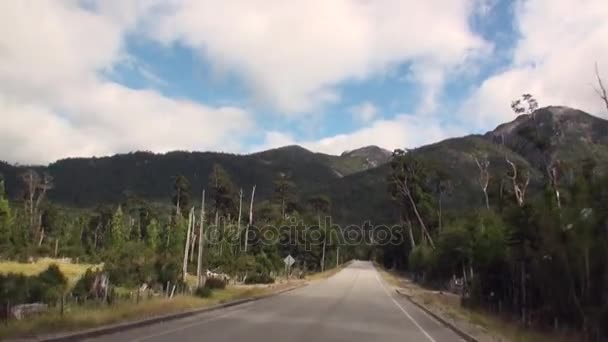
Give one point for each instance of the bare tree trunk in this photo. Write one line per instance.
(524, 317)
(201, 242)
(323, 255)
(250, 217)
(41, 237)
(422, 225)
(411, 233)
(602, 90)
(56, 246)
(187, 245)
(193, 238)
(238, 222)
(440, 213)
(484, 177)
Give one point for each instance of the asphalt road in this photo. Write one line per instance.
(353, 305)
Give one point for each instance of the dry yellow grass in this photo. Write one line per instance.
(492, 327)
(77, 318)
(70, 270)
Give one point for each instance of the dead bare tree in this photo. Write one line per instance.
(250, 217)
(36, 188)
(238, 224)
(201, 244)
(519, 186)
(484, 176)
(602, 90)
(187, 245)
(192, 239)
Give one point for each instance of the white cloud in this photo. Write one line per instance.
(404, 131)
(554, 60)
(293, 54)
(54, 103)
(364, 112)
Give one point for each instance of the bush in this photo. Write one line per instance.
(82, 288)
(49, 286)
(259, 278)
(203, 292)
(215, 283)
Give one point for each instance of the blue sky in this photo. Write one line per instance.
(105, 77)
(179, 71)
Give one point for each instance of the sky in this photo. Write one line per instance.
(81, 78)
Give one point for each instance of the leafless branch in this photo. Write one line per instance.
(602, 90)
(484, 176)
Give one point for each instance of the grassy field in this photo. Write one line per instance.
(70, 270)
(78, 317)
(488, 326)
(83, 317)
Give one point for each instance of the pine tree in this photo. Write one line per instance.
(118, 230)
(152, 234)
(5, 217)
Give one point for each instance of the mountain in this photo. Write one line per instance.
(562, 133)
(89, 181)
(355, 180)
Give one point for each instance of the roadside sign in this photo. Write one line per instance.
(289, 260)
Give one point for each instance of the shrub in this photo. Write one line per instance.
(215, 283)
(203, 292)
(259, 278)
(49, 285)
(82, 288)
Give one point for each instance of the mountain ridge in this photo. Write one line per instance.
(358, 188)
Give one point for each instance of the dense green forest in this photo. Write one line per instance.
(536, 246)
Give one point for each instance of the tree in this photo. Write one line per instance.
(36, 188)
(5, 217)
(181, 195)
(484, 176)
(407, 184)
(223, 193)
(118, 230)
(601, 91)
(284, 190)
(153, 234)
(321, 204)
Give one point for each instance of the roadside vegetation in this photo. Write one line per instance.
(534, 253)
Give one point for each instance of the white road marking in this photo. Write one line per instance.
(183, 327)
(404, 311)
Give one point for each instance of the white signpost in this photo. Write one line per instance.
(289, 261)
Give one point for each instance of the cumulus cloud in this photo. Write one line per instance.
(554, 60)
(293, 54)
(364, 112)
(54, 103)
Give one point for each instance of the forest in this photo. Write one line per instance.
(535, 250)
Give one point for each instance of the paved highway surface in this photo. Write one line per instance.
(354, 305)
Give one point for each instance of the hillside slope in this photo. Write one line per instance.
(356, 181)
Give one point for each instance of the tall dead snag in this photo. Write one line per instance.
(484, 176)
(187, 245)
(200, 281)
(602, 90)
(238, 224)
(553, 173)
(250, 218)
(519, 186)
(36, 188)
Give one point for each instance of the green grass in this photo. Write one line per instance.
(70, 270)
(83, 317)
